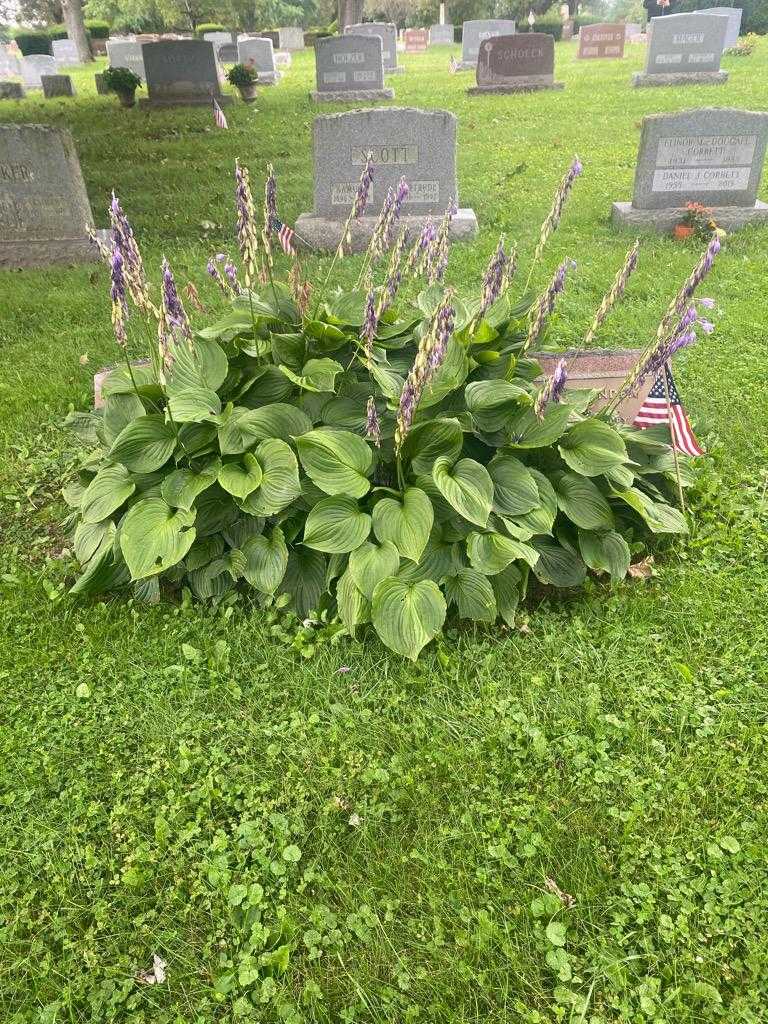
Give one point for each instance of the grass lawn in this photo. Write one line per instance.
(301, 844)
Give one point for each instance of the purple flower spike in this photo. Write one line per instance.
(553, 389)
(364, 188)
(706, 325)
(493, 278)
(706, 303)
(373, 425)
(370, 322)
(117, 294)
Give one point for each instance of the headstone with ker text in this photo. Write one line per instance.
(349, 69)
(418, 145)
(524, 62)
(416, 40)
(712, 155)
(182, 72)
(601, 41)
(684, 49)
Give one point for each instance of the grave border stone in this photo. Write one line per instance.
(646, 78)
(349, 95)
(515, 83)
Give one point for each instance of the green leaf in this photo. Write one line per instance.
(593, 447)
(466, 486)
(659, 517)
(182, 486)
(194, 405)
(119, 411)
(336, 525)
(279, 482)
(491, 553)
(493, 403)
(556, 932)
(582, 502)
(354, 607)
(89, 537)
(336, 460)
(316, 375)
(514, 488)
(506, 590)
(371, 563)
(106, 571)
(557, 565)
(325, 337)
(406, 524)
(526, 430)
(390, 382)
(472, 594)
(197, 438)
(240, 478)
(606, 551)
(144, 445)
(242, 428)
(538, 520)
(450, 375)
(439, 557)
(155, 536)
(203, 366)
(407, 616)
(304, 579)
(266, 561)
(111, 486)
(429, 440)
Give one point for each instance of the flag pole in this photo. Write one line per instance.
(672, 437)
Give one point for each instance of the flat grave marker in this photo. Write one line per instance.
(11, 91)
(57, 85)
(524, 62)
(349, 68)
(684, 49)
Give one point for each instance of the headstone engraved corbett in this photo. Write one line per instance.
(57, 85)
(733, 14)
(601, 41)
(419, 145)
(388, 36)
(349, 68)
(182, 72)
(712, 155)
(260, 53)
(291, 37)
(474, 32)
(524, 62)
(416, 40)
(126, 53)
(684, 48)
(45, 216)
(65, 52)
(34, 67)
(441, 35)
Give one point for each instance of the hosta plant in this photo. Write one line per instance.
(394, 462)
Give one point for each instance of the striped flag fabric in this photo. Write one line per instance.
(656, 411)
(218, 116)
(285, 235)
(453, 65)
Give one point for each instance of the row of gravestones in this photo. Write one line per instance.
(712, 156)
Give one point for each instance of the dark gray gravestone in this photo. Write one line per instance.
(349, 68)
(524, 62)
(683, 49)
(601, 41)
(126, 54)
(441, 35)
(57, 85)
(259, 52)
(474, 32)
(227, 53)
(44, 212)
(181, 72)
(388, 35)
(713, 156)
(419, 145)
(11, 91)
(101, 87)
(733, 14)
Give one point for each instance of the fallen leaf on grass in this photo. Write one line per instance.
(565, 897)
(642, 570)
(84, 359)
(155, 975)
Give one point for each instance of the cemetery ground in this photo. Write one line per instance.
(315, 831)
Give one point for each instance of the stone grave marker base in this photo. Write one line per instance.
(641, 80)
(522, 86)
(603, 369)
(399, 70)
(324, 234)
(352, 96)
(728, 217)
(188, 101)
(28, 254)
(465, 65)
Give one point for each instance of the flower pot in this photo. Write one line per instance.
(247, 92)
(127, 99)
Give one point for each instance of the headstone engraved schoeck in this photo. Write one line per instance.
(683, 49)
(388, 36)
(524, 62)
(474, 32)
(419, 145)
(349, 68)
(57, 85)
(182, 72)
(416, 40)
(259, 52)
(441, 35)
(601, 41)
(713, 156)
(44, 212)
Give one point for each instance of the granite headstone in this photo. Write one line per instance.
(126, 53)
(349, 68)
(273, 36)
(711, 155)
(101, 85)
(684, 48)
(601, 41)
(65, 52)
(524, 62)
(388, 35)
(57, 85)
(291, 37)
(416, 40)
(419, 145)
(45, 216)
(259, 52)
(441, 35)
(632, 29)
(474, 32)
(218, 39)
(182, 72)
(733, 14)
(227, 53)
(34, 67)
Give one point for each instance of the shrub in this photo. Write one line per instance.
(358, 455)
(210, 26)
(121, 80)
(587, 19)
(33, 42)
(242, 75)
(56, 32)
(97, 29)
(551, 22)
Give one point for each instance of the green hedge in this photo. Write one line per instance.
(33, 42)
(57, 32)
(587, 19)
(210, 26)
(551, 24)
(97, 29)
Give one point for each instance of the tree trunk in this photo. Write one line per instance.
(73, 17)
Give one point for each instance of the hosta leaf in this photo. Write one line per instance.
(304, 579)
(336, 525)
(539, 520)
(336, 460)
(325, 337)
(154, 536)
(111, 486)
(354, 607)
(466, 486)
(606, 551)
(592, 447)
(215, 511)
(197, 438)
(558, 566)
(492, 403)
(439, 557)
(106, 571)
(491, 553)
(242, 428)
(182, 486)
(119, 411)
(194, 405)
(428, 441)
(266, 561)
(526, 430)
(316, 375)
(279, 482)
(406, 524)
(514, 488)
(371, 563)
(582, 502)
(89, 537)
(212, 580)
(450, 375)
(204, 366)
(472, 594)
(390, 382)
(506, 590)
(145, 444)
(658, 516)
(242, 477)
(407, 615)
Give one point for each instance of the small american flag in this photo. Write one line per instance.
(453, 65)
(218, 116)
(655, 412)
(285, 234)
